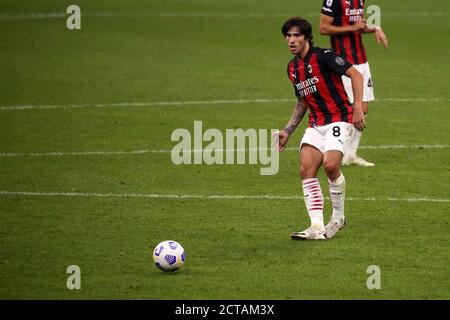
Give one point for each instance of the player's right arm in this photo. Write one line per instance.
(328, 29)
(297, 116)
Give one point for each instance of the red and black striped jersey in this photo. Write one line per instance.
(317, 79)
(347, 12)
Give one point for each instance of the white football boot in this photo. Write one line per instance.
(363, 163)
(334, 226)
(348, 160)
(309, 234)
(356, 160)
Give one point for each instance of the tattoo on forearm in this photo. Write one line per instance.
(297, 116)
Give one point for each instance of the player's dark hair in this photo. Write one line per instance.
(303, 25)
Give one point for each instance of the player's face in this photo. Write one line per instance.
(296, 41)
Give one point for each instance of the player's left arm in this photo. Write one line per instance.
(358, 87)
(342, 67)
(379, 34)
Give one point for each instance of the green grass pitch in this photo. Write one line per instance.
(131, 52)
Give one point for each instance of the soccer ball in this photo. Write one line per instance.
(168, 255)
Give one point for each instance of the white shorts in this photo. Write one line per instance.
(364, 69)
(332, 136)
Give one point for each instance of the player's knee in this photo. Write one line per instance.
(306, 172)
(303, 172)
(331, 167)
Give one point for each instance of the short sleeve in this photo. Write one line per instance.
(289, 76)
(333, 61)
(330, 8)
